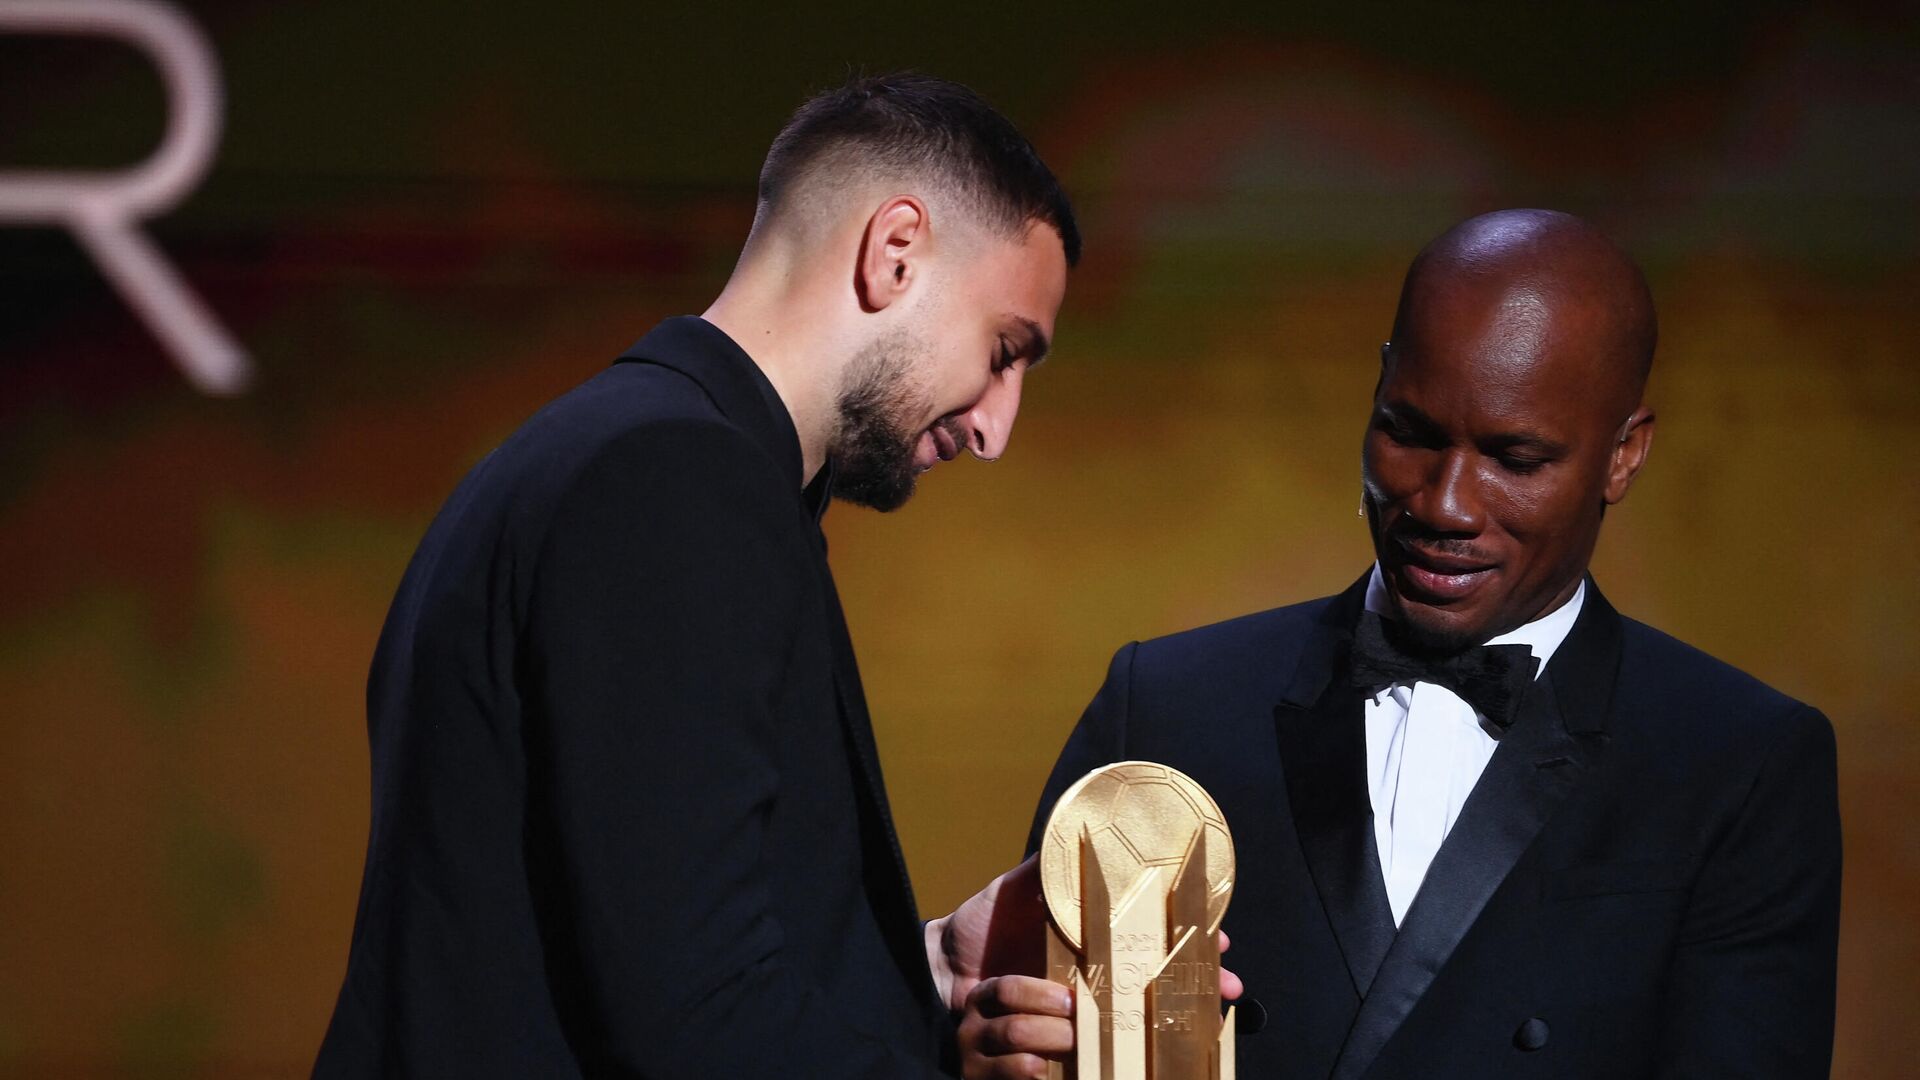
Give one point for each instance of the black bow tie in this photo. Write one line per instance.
(1491, 678)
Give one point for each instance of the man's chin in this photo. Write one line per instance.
(883, 491)
(886, 505)
(875, 467)
(1435, 630)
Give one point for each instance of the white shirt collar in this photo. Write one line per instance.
(1542, 636)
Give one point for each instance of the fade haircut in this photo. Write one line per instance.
(908, 125)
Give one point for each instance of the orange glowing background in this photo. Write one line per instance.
(426, 219)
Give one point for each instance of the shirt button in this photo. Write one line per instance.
(1532, 1034)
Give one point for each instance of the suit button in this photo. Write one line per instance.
(1249, 1016)
(1532, 1034)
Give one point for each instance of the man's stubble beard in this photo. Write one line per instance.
(873, 445)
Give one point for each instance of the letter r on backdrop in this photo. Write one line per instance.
(103, 209)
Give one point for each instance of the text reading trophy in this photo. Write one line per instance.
(1137, 867)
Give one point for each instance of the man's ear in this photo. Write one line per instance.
(1629, 453)
(891, 250)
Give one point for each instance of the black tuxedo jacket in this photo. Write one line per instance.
(627, 814)
(1644, 882)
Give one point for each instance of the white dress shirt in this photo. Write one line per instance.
(1426, 749)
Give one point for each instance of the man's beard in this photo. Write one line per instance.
(872, 447)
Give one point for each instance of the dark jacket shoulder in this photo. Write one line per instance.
(1701, 715)
(626, 409)
(1230, 649)
(1691, 676)
(633, 435)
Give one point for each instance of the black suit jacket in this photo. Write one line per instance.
(1644, 882)
(627, 814)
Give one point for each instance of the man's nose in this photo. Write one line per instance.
(990, 421)
(1449, 500)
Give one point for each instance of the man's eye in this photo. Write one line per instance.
(1522, 465)
(1396, 431)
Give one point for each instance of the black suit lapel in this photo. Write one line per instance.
(1323, 752)
(866, 756)
(1557, 740)
(889, 886)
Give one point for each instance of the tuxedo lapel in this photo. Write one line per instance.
(1323, 753)
(1540, 759)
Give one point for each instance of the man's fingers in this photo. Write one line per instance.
(1005, 995)
(1014, 1025)
(1010, 1067)
(1230, 985)
(1022, 1033)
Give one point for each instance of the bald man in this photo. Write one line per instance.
(628, 819)
(1487, 826)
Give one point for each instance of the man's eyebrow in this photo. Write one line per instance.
(1414, 417)
(1406, 412)
(1034, 349)
(1528, 439)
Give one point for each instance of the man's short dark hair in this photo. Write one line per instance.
(916, 124)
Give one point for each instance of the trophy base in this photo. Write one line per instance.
(1142, 1011)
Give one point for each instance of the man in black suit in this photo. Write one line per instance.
(628, 819)
(1485, 825)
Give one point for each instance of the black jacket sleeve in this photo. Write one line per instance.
(1751, 984)
(662, 609)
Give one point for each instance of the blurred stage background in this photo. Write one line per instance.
(424, 219)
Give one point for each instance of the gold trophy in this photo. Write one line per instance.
(1137, 867)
